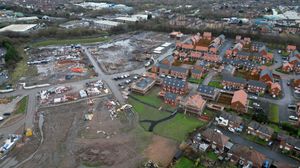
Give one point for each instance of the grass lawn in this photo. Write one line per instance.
(22, 106)
(256, 139)
(215, 84)
(275, 127)
(69, 41)
(178, 127)
(152, 98)
(212, 155)
(186, 163)
(197, 81)
(273, 113)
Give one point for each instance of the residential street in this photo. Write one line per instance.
(236, 138)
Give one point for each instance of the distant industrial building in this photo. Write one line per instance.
(105, 24)
(75, 24)
(19, 28)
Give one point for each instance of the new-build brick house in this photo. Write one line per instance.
(179, 72)
(296, 83)
(161, 69)
(287, 67)
(194, 104)
(239, 101)
(143, 85)
(208, 92)
(170, 98)
(196, 74)
(245, 155)
(175, 85)
(266, 76)
(207, 36)
(201, 49)
(194, 56)
(218, 140)
(257, 87)
(262, 131)
(275, 89)
(232, 82)
(288, 143)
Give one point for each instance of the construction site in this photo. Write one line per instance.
(91, 133)
(129, 53)
(64, 93)
(58, 64)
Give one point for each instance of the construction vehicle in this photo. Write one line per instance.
(28, 132)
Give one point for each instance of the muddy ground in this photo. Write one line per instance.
(69, 141)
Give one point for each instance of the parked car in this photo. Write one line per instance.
(231, 129)
(270, 143)
(293, 118)
(1, 118)
(128, 81)
(292, 106)
(6, 114)
(218, 131)
(256, 104)
(253, 97)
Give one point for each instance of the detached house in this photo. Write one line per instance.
(257, 87)
(217, 140)
(229, 120)
(233, 82)
(194, 104)
(239, 101)
(262, 131)
(175, 85)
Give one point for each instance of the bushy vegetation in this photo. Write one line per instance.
(12, 56)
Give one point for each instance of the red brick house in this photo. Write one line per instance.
(266, 75)
(196, 74)
(257, 87)
(201, 49)
(213, 50)
(275, 89)
(287, 67)
(268, 57)
(194, 104)
(207, 36)
(170, 98)
(195, 56)
(234, 82)
(216, 139)
(239, 101)
(164, 69)
(243, 154)
(175, 85)
(179, 72)
(262, 131)
(288, 143)
(296, 83)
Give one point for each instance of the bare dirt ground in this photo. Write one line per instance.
(69, 141)
(161, 150)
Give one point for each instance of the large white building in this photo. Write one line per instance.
(19, 28)
(105, 24)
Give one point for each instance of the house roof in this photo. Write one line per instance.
(266, 71)
(291, 47)
(229, 68)
(231, 117)
(243, 53)
(213, 136)
(144, 82)
(170, 96)
(175, 82)
(163, 66)
(289, 139)
(201, 48)
(195, 100)
(179, 69)
(240, 96)
(257, 83)
(275, 86)
(196, 71)
(187, 46)
(234, 79)
(195, 54)
(208, 90)
(248, 154)
(261, 128)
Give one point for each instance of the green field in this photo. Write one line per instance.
(22, 106)
(69, 41)
(186, 163)
(152, 98)
(256, 140)
(212, 155)
(273, 113)
(215, 84)
(176, 128)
